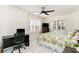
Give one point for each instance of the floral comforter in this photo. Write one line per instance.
(53, 39)
(60, 40)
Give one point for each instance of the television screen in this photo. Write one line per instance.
(45, 25)
(20, 30)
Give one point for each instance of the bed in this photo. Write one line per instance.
(56, 41)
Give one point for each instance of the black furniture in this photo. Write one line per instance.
(8, 41)
(68, 49)
(45, 27)
(20, 31)
(18, 39)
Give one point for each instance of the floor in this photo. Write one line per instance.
(33, 48)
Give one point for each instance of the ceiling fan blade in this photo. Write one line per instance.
(50, 11)
(46, 13)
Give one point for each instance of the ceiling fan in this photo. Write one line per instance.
(46, 12)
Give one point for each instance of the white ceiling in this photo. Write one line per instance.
(59, 9)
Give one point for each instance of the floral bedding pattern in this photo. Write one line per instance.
(52, 38)
(60, 40)
(70, 40)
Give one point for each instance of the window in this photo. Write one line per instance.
(35, 25)
(58, 25)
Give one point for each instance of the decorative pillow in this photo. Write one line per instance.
(76, 37)
(69, 40)
(70, 35)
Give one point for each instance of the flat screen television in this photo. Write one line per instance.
(45, 25)
(20, 30)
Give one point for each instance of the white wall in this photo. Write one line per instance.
(12, 18)
(75, 20)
